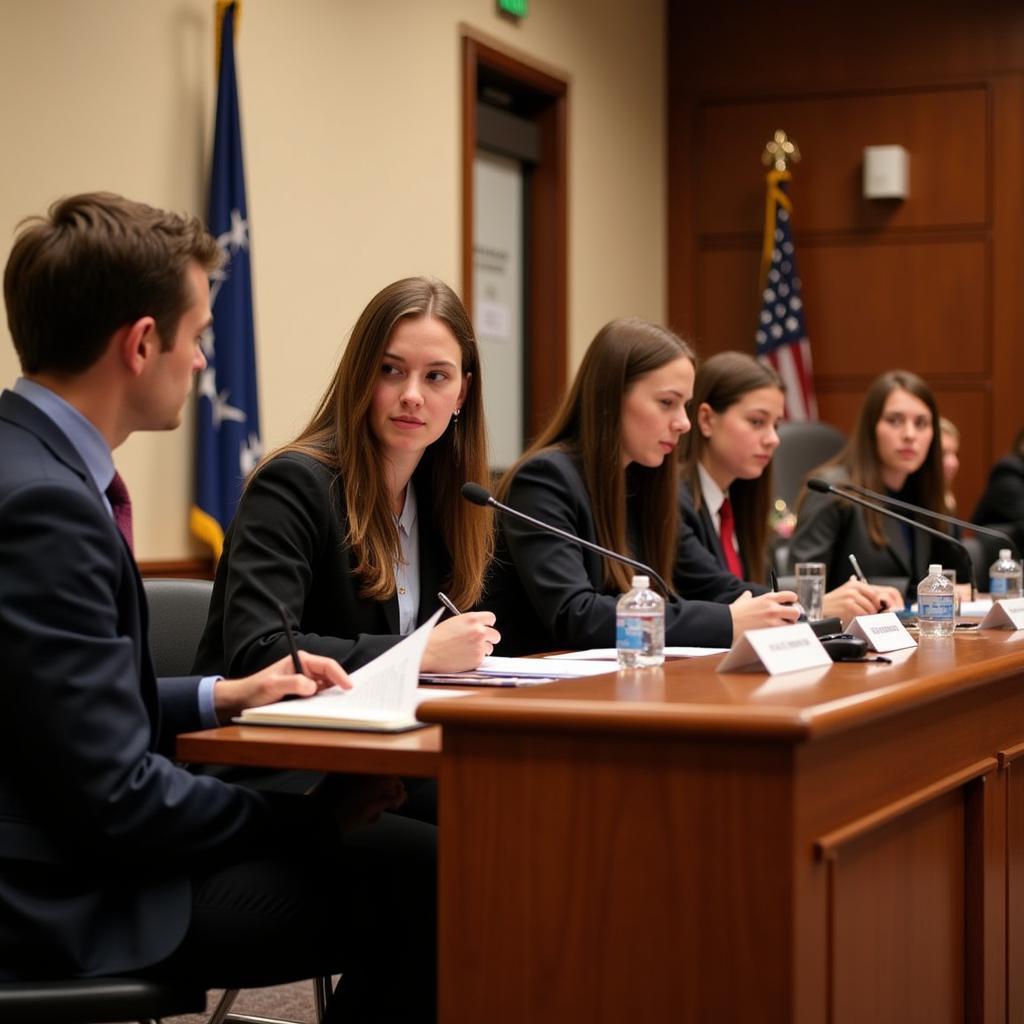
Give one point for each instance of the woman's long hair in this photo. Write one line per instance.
(859, 457)
(339, 436)
(588, 424)
(721, 382)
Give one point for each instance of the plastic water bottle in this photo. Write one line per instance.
(1004, 576)
(640, 626)
(935, 600)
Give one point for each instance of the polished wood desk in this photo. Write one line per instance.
(842, 845)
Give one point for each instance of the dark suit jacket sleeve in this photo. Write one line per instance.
(286, 533)
(1003, 500)
(78, 699)
(563, 586)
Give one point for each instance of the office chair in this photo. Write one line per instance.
(95, 1001)
(803, 446)
(177, 617)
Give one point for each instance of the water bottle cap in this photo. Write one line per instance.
(1004, 553)
(641, 582)
(934, 570)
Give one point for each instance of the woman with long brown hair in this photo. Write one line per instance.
(604, 469)
(726, 489)
(894, 449)
(357, 523)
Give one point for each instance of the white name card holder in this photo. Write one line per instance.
(776, 650)
(883, 632)
(1008, 614)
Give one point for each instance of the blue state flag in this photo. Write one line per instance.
(228, 442)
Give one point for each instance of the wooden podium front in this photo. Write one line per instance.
(842, 845)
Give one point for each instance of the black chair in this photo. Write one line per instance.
(177, 617)
(802, 447)
(95, 1001)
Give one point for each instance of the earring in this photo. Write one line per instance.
(455, 415)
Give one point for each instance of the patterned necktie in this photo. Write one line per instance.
(121, 504)
(732, 556)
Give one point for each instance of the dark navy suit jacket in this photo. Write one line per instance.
(99, 829)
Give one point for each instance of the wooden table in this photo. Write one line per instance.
(841, 845)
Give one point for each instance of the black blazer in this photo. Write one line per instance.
(1002, 502)
(99, 830)
(549, 594)
(829, 530)
(287, 543)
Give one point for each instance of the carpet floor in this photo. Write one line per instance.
(284, 1002)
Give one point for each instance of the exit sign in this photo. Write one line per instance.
(517, 8)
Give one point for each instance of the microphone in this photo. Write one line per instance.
(941, 516)
(481, 496)
(824, 487)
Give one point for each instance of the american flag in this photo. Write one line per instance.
(782, 334)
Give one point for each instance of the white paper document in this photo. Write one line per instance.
(547, 667)
(611, 654)
(384, 694)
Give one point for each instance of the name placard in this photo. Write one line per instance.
(776, 650)
(1007, 614)
(883, 632)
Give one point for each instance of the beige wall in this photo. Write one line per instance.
(351, 122)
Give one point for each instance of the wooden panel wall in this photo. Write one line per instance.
(934, 284)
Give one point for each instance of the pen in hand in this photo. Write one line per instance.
(883, 605)
(446, 601)
(290, 635)
(773, 580)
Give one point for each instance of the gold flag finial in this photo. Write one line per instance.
(221, 7)
(780, 151)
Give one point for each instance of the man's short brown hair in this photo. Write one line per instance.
(94, 263)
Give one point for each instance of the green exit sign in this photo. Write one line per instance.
(517, 8)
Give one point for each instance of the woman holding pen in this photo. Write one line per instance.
(357, 523)
(726, 486)
(604, 469)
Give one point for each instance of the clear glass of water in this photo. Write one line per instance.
(810, 588)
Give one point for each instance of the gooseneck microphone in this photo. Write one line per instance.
(481, 496)
(943, 517)
(824, 487)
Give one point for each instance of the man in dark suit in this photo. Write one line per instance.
(112, 858)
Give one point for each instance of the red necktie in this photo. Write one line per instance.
(121, 505)
(732, 556)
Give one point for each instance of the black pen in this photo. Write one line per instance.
(773, 580)
(882, 604)
(446, 601)
(290, 634)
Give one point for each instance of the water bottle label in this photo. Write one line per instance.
(998, 585)
(629, 634)
(938, 606)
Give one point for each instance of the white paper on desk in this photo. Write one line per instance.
(385, 689)
(543, 667)
(975, 609)
(611, 654)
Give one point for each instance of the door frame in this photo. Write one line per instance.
(545, 313)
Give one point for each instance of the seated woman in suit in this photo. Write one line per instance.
(894, 449)
(604, 469)
(357, 523)
(726, 486)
